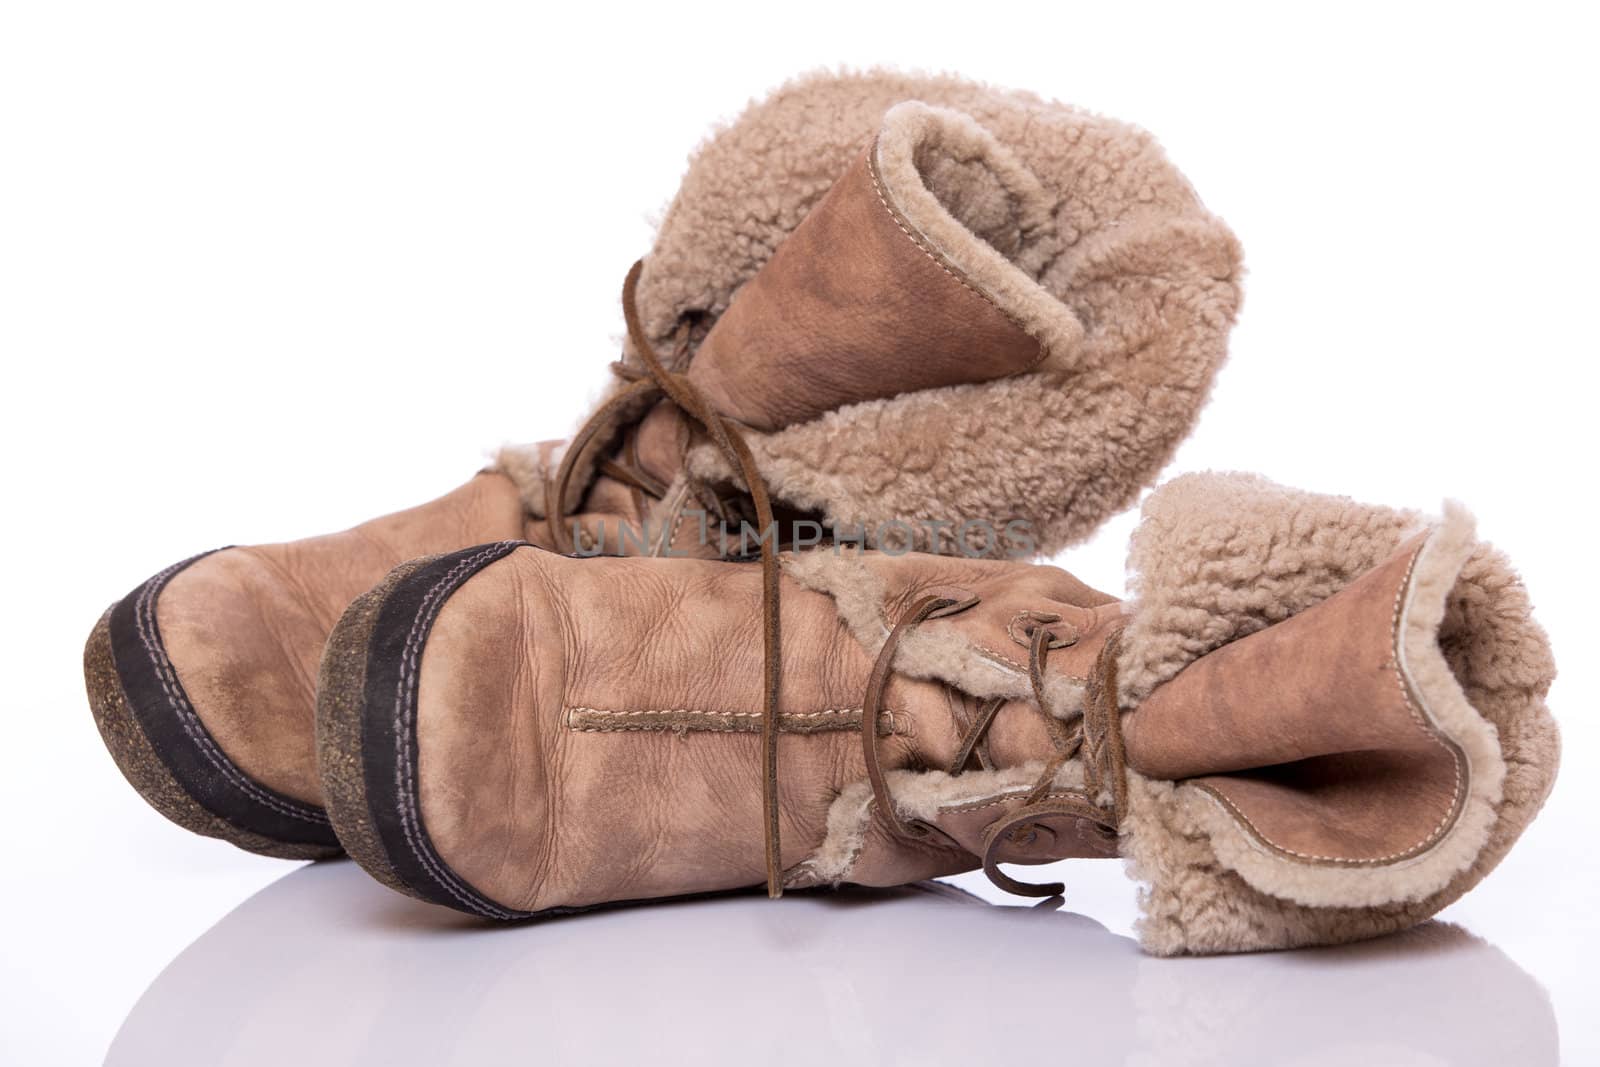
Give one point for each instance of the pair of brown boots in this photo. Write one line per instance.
(766, 616)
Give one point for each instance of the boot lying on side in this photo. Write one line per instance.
(971, 314)
(1314, 722)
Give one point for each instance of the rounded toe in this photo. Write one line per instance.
(163, 745)
(413, 745)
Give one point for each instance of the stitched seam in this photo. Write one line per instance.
(551, 853)
(1046, 619)
(1424, 725)
(984, 652)
(671, 537)
(1429, 732)
(716, 714)
(990, 653)
(1000, 798)
(631, 450)
(668, 714)
(193, 728)
(942, 262)
(999, 657)
(405, 710)
(1007, 797)
(668, 536)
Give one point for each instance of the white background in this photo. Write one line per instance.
(242, 248)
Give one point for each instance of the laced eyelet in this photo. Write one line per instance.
(1029, 833)
(1025, 624)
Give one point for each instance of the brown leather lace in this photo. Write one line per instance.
(1097, 736)
(655, 383)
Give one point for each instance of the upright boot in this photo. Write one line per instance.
(963, 319)
(1315, 722)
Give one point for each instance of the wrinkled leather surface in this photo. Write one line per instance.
(1010, 595)
(245, 627)
(1332, 760)
(536, 814)
(851, 308)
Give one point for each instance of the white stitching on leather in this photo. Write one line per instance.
(921, 243)
(944, 264)
(145, 623)
(1430, 732)
(1007, 797)
(405, 692)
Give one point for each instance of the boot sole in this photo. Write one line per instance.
(164, 750)
(366, 729)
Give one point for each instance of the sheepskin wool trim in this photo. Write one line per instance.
(1442, 704)
(918, 795)
(1220, 556)
(861, 597)
(1078, 225)
(933, 163)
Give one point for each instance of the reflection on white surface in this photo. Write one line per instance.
(325, 966)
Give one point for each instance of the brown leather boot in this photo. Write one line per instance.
(1316, 722)
(971, 315)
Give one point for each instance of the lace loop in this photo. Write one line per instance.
(1098, 737)
(872, 704)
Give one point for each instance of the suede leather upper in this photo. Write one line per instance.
(245, 627)
(852, 307)
(1337, 761)
(536, 806)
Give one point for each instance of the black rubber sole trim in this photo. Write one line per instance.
(164, 750)
(367, 723)
(366, 736)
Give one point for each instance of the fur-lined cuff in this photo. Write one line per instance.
(1221, 556)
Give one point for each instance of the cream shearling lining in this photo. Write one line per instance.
(971, 201)
(917, 795)
(1220, 556)
(1076, 224)
(861, 597)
